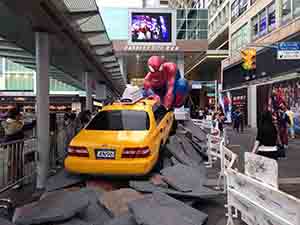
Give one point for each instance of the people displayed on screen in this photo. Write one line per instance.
(149, 28)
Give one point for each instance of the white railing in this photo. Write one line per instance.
(258, 202)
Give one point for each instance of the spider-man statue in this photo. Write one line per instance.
(164, 83)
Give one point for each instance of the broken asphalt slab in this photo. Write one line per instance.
(95, 213)
(184, 177)
(55, 207)
(5, 222)
(63, 180)
(126, 219)
(162, 209)
(148, 187)
(74, 221)
(175, 148)
(117, 201)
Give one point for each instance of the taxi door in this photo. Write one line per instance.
(161, 132)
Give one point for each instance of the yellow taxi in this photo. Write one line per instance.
(122, 139)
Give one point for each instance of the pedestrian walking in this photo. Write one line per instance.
(291, 115)
(238, 119)
(284, 123)
(266, 140)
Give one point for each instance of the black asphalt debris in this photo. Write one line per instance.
(63, 180)
(5, 222)
(178, 175)
(126, 219)
(74, 221)
(95, 213)
(54, 207)
(200, 193)
(162, 209)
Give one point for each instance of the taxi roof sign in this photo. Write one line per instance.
(132, 94)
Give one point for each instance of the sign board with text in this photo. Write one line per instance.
(288, 51)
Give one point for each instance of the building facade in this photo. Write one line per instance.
(188, 4)
(15, 77)
(218, 24)
(263, 24)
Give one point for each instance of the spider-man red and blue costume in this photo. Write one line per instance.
(164, 83)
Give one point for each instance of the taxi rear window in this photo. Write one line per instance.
(118, 120)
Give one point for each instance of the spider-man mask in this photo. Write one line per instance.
(156, 66)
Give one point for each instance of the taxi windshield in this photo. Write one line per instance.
(118, 120)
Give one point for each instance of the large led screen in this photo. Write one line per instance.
(151, 27)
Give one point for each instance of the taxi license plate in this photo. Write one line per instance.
(105, 154)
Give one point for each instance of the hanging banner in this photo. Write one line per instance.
(226, 103)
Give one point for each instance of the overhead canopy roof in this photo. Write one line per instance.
(78, 39)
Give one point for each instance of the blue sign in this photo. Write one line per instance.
(289, 46)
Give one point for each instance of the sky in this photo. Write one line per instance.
(119, 3)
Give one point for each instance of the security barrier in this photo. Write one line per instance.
(228, 159)
(260, 203)
(213, 149)
(17, 163)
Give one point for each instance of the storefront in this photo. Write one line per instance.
(288, 91)
(27, 103)
(271, 75)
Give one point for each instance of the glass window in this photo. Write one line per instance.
(255, 32)
(202, 14)
(296, 6)
(191, 34)
(192, 24)
(1, 66)
(202, 25)
(181, 35)
(119, 120)
(202, 35)
(240, 38)
(181, 24)
(181, 14)
(263, 22)
(159, 113)
(242, 6)
(192, 14)
(286, 8)
(271, 17)
(238, 7)
(234, 10)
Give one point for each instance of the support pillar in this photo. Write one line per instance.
(42, 105)
(252, 106)
(278, 12)
(123, 65)
(180, 64)
(88, 90)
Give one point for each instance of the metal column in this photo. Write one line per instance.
(252, 106)
(42, 105)
(180, 64)
(88, 90)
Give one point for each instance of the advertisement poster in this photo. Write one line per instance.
(289, 93)
(226, 104)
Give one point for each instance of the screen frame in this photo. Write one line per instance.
(172, 12)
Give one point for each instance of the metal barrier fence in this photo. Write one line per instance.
(17, 163)
(18, 158)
